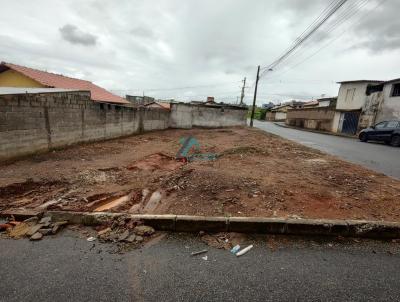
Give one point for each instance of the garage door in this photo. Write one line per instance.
(350, 122)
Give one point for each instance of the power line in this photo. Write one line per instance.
(330, 42)
(305, 31)
(342, 17)
(307, 35)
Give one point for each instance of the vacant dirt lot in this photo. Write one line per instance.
(255, 174)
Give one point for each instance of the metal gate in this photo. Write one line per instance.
(350, 122)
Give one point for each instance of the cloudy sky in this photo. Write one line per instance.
(188, 49)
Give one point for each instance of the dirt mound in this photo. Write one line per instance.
(157, 161)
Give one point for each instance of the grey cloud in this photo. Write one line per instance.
(380, 30)
(174, 43)
(74, 35)
(142, 32)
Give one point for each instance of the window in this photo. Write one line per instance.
(392, 124)
(380, 125)
(396, 90)
(350, 95)
(374, 88)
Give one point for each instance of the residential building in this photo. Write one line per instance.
(311, 104)
(12, 75)
(351, 99)
(278, 113)
(327, 102)
(295, 104)
(382, 104)
(267, 106)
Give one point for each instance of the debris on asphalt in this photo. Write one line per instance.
(144, 230)
(90, 239)
(199, 252)
(45, 221)
(5, 226)
(125, 231)
(223, 240)
(34, 228)
(104, 231)
(36, 236)
(45, 231)
(244, 251)
(235, 249)
(205, 258)
(124, 235)
(20, 230)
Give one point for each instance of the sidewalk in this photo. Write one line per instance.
(281, 124)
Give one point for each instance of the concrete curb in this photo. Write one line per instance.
(316, 131)
(182, 223)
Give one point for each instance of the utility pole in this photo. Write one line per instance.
(255, 97)
(242, 95)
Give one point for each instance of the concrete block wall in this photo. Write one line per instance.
(187, 116)
(181, 116)
(320, 118)
(31, 123)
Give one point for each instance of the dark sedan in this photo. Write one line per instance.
(388, 132)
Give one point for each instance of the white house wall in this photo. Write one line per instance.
(358, 99)
(390, 109)
(280, 116)
(335, 123)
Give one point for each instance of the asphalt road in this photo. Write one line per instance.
(68, 268)
(375, 156)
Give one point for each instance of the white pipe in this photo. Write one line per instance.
(244, 251)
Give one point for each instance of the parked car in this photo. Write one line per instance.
(388, 132)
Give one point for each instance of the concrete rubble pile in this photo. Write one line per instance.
(125, 230)
(34, 228)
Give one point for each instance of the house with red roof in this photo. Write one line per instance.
(12, 75)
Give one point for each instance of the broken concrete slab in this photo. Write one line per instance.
(144, 230)
(34, 229)
(103, 232)
(139, 239)
(123, 236)
(21, 214)
(57, 226)
(36, 236)
(45, 231)
(131, 238)
(33, 219)
(135, 209)
(45, 220)
(20, 230)
(153, 202)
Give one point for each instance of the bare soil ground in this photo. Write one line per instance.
(255, 174)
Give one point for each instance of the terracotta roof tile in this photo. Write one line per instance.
(48, 79)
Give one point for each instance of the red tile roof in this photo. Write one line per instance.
(159, 104)
(53, 80)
